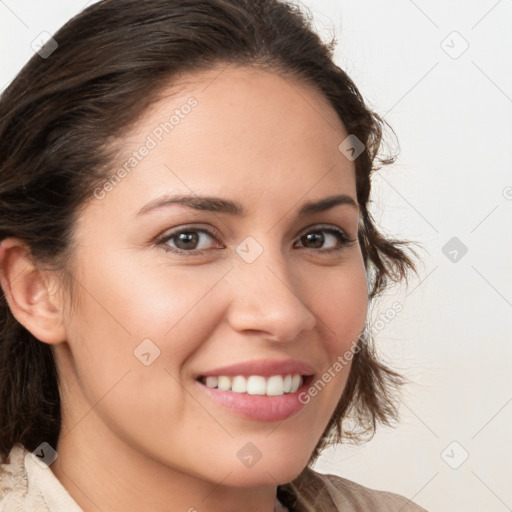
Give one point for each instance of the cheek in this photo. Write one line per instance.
(341, 304)
(178, 308)
(168, 313)
(341, 300)
(121, 306)
(160, 303)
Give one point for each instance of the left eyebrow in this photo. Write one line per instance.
(326, 204)
(219, 205)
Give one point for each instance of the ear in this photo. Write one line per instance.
(30, 292)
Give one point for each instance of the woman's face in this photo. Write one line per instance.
(268, 285)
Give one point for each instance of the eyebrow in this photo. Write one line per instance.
(219, 205)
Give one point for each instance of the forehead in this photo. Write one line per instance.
(236, 130)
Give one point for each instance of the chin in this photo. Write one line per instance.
(263, 474)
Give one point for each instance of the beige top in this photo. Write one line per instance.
(25, 486)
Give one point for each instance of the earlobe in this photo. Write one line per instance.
(28, 291)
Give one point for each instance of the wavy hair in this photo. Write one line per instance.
(60, 120)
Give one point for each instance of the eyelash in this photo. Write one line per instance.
(342, 237)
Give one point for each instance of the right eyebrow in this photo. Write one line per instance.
(220, 205)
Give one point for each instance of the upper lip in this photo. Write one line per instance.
(263, 367)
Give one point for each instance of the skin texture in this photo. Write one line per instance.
(139, 437)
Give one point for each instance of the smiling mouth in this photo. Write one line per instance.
(274, 385)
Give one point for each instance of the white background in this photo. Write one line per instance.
(452, 116)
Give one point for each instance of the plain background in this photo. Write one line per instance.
(440, 73)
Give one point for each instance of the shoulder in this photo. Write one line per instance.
(352, 497)
(13, 478)
(25, 485)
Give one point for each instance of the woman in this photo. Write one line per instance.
(188, 259)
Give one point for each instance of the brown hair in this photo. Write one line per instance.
(60, 120)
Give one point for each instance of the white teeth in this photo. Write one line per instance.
(239, 384)
(276, 385)
(256, 385)
(296, 382)
(211, 382)
(224, 383)
(287, 384)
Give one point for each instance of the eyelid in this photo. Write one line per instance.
(169, 234)
(345, 240)
(321, 225)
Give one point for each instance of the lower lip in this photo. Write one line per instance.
(258, 407)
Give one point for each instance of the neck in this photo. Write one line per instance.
(102, 472)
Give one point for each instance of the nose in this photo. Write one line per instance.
(267, 299)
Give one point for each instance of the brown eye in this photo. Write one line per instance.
(315, 239)
(186, 241)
